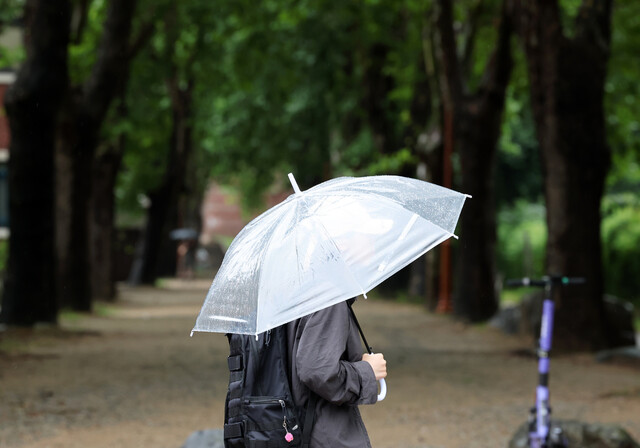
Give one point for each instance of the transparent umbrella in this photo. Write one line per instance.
(337, 240)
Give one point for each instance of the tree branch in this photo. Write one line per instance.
(469, 45)
(593, 23)
(112, 65)
(540, 30)
(144, 35)
(498, 69)
(451, 79)
(81, 12)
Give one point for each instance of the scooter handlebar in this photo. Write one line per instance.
(525, 281)
(558, 280)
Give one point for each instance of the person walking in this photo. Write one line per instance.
(326, 359)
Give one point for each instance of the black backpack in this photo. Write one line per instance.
(259, 409)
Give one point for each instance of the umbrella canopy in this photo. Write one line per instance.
(319, 247)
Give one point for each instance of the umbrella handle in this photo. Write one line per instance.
(383, 389)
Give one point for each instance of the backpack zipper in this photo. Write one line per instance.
(267, 338)
(281, 402)
(266, 400)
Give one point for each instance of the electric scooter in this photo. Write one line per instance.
(542, 432)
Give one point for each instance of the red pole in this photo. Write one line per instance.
(444, 298)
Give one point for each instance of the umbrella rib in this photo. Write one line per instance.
(339, 254)
(262, 256)
(398, 204)
(401, 206)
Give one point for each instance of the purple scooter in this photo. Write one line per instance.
(542, 433)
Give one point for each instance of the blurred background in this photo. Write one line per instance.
(137, 138)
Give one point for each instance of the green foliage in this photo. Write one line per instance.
(569, 10)
(518, 170)
(4, 254)
(392, 163)
(82, 48)
(621, 245)
(177, 51)
(622, 107)
(477, 31)
(292, 89)
(621, 208)
(513, 296)
(273, 108)
(11, 11)
(148, 130)
(521, 241)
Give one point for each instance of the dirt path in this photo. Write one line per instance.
(133, 378)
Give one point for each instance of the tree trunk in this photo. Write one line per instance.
(106, 166)
(475, 295)
(159, 251)
(33, 104)
(73, 159)
(477, 121)
(423, 136)
(567, 77)
(378, 84)
(105, 171)
(85, 113)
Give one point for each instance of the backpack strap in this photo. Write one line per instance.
(236, 365)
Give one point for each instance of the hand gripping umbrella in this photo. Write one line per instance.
(332, 242)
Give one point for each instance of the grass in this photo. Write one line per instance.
(10, 344)
(513, 296)
(100, 309)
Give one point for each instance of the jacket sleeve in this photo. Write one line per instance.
(321, 360)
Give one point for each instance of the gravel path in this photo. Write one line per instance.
(133, 378)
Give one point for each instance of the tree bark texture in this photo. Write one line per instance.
(377, 86)
(105, 171)
(85, 110)
(32, 104)
(477, 120)
(567, 76)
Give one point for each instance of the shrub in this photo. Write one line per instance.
(621, 246)
(4, 254)
(522, 236)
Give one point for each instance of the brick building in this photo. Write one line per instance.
(6, 79)
(222, 216)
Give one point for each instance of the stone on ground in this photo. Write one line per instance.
(207, 438)
(582, 435)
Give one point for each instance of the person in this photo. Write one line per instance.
(326, 358)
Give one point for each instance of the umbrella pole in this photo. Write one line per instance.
(383, 383)
(355, 319)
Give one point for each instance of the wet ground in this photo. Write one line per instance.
(132, 377)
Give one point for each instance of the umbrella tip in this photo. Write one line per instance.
(294, 184)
